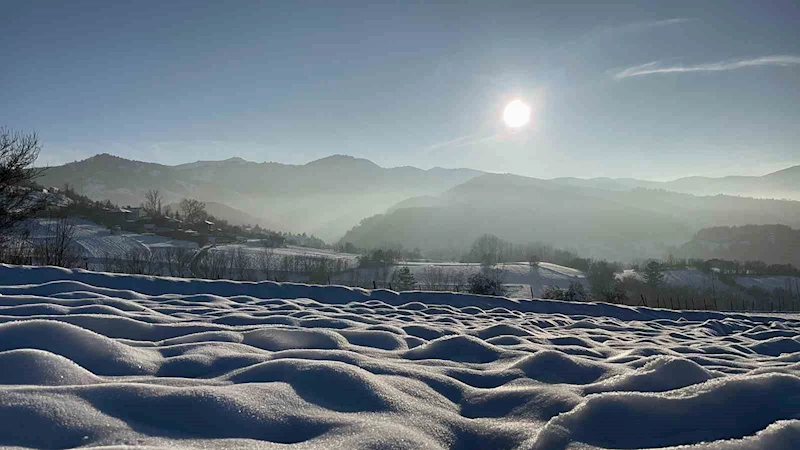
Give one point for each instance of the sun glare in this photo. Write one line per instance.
(517, 114)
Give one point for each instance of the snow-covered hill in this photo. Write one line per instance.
(92, 359)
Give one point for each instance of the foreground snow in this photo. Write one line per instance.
(89, 359)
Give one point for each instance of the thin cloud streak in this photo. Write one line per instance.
(657, 67)
(465, 141)
(644, 25)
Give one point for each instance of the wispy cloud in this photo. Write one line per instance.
(643, 25)
(465, 141)
(658, 67)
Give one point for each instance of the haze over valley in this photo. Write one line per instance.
(354, 200)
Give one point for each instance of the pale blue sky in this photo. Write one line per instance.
(631, 89)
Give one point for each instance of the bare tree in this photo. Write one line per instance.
(214, 265)
(457, 279)
(432, 277)
(58, 246)
(193, 211)
(19, 199)
(152, 203)
(266, 262)
(487, 250)
(141, 261)
(239, 264)
(176, 261)
(137, 260)
(17, 248)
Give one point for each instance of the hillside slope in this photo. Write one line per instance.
(772, 244)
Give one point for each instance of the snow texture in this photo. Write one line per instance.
(108, 360)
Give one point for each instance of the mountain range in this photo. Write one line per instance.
(783, 184)
(446, 208)
(603, 223)
(325, 197)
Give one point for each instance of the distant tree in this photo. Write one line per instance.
(19, 198)
(167, 211)
(273, 240)
(601, 278)
(487, 282)
(487, 249)
(574, 293)
(194, 211)
(654, 273)
(403, 279)
(532, 257)
(152, 203)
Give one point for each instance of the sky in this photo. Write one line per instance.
(650, 90)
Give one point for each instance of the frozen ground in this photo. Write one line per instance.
(89, 359)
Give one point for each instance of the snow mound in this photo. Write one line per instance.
(42, 368)
(106, 360)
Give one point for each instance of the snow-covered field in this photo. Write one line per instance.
(253, 248)
(699, 279)
(521, 278)
(97, 241)
(91, 359)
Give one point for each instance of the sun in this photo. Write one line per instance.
(517, 114)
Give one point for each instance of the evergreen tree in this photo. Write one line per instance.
(601, 279)
(654, 273)
(404, 280)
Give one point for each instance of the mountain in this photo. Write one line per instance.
(609, 223)
(781, 184)
(325, 197)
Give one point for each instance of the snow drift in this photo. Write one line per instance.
(91, 359)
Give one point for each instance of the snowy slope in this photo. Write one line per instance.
(92, 359)
(97, 241)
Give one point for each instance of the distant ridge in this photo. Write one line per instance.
(325, 197)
